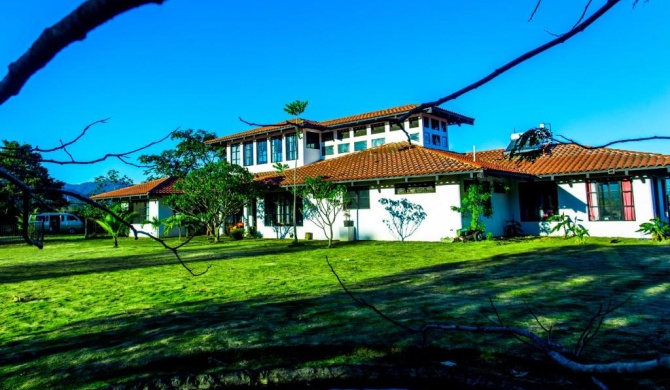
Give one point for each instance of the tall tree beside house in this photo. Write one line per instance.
(25, 164)
(212, 193)
(322, 203)
(295, 108)
(191, 153)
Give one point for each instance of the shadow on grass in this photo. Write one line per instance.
(562, 285)
(158, 256)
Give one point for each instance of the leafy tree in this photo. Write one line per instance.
(25, 164)
(213, 192)
(111, 181)
(323, 201)
(114, 226)
(296, 108)
(475, 204)
(406, 217)
(191, 153)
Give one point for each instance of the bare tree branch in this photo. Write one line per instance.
(66, 144)
(120, 156)
(566, 140)
(554, 350)
(586, 8)
(522, 58)
(74, 27)
(535, 10)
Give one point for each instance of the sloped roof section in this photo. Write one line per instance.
(164, 186)
(564, 159)
(452, 118)
(393, 160)
(285, 125)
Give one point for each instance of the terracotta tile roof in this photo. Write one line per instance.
(368, 116)
(569, 159)
(393, 160)
(164, 186)
(266, 129)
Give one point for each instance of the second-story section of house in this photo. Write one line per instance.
(260, 148)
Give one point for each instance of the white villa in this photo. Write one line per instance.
(609, 191)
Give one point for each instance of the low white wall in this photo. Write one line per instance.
(572, 201)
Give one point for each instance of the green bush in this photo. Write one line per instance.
(237, 233)
(657, 229)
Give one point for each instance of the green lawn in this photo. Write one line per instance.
(80, 314)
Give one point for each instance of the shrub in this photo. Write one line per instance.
(657, 229)
(237, 233)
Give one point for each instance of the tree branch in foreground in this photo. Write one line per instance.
(554, 350)
(522, 58)
(28, 193)
(73, 27)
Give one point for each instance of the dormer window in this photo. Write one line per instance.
(413, 122)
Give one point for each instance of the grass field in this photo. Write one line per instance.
(80, 314)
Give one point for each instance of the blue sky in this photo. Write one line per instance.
(202, 63)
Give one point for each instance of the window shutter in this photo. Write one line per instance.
(627, 194)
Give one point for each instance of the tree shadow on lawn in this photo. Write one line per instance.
(563, 285)
(197, 255)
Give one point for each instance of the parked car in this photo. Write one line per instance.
(59, 222)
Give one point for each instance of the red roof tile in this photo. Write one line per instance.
(394, 160)
(164, 186)
(570, 159)
(368, 116)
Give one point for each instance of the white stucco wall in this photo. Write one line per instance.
(572, 201)
(440, 221)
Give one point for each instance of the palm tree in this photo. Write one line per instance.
(114, 226)
(295, 108)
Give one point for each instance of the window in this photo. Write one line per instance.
(610, 200)
(343, 134)
(436, 139)
(395, 127)
(378, 142)
(443, 125)
(312, 141)
(415, 188)
(235, 154)
(426, 123)
(327, 136)
(328, 150)
(414, 137)
(279, 209)
(360, 131)
(261, 151)
(538, 200)
(360, 145)
(435, 124)
(275, 145)
(358, 198)
(445, 142)
(291, 147)
(248, 153)
(142, 210)
(343, 148)
(413, 122)
(378, 128)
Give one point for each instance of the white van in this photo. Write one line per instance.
(59, 222)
